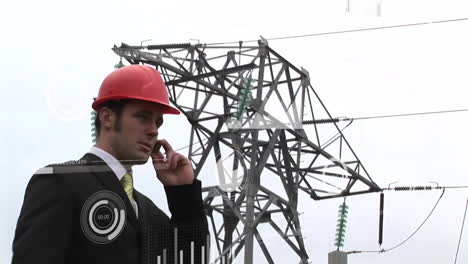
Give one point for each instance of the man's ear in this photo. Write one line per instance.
(107, 118)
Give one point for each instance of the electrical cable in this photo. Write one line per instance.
(408, 238)
(417, 229)
(412, 114)
(461, 232)
(347, 31)
(340, 119)
(336, 136)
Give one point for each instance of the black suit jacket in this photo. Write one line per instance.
(68, 207)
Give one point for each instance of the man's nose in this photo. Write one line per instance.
(153, 131)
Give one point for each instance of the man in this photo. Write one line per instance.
(87, 211)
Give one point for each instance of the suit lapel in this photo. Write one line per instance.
(105, 174)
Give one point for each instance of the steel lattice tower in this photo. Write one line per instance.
(247, 106)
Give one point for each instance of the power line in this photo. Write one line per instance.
(411, 114)
(347, 31)
(461, 231)
(339, 119)
(408, 238)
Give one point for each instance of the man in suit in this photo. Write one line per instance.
(87, 211)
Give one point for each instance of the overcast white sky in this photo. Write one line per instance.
(56, 53)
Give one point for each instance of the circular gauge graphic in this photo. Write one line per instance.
(103, 217)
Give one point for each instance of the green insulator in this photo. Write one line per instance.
(341, 224)
(245, 96)
(119, 65)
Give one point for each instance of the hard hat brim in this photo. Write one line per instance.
(165, 108)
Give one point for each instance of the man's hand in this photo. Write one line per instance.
(171, 168)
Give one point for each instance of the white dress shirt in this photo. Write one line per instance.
(115, 165)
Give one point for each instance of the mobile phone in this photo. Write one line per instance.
(156, 148)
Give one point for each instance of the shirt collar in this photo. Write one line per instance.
(117, 167)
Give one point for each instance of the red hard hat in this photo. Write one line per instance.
(138, 82)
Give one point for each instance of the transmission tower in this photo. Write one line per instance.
(259, 119)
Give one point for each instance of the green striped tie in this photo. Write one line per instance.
(127, 184)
